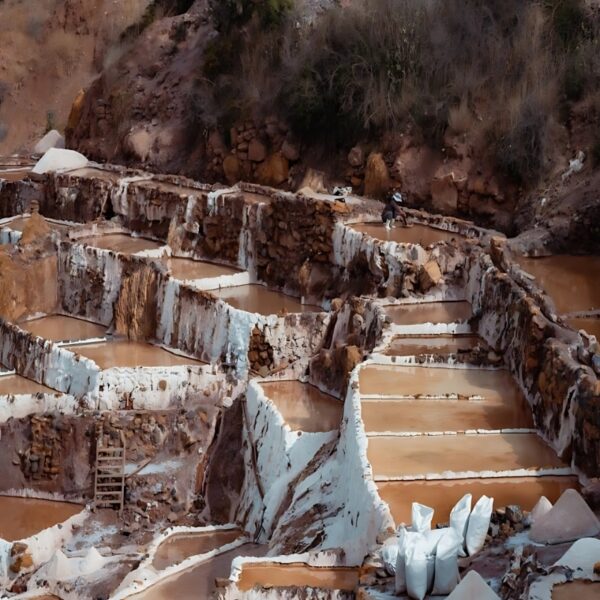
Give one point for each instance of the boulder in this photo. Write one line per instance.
(274, 170)
(231, 169)
(377, 177)
(53, 139)
(430, 275)
(257, 152)
(412, 169)
(356, 157)
(290, 151)
(75, 113)
(59, 159)
(138, 143)
(569, 519)
(473, 587)
(313, 181)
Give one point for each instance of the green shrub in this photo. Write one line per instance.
(569, 20)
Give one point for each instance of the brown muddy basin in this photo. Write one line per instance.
(186, 269)
(181, 546)
(442, 494)
(432, 344)
(199, 582)
(120, 242)
(577, 590)
(23, 517)
(590, 326)
(421, 416)
(60, 328)
(413, 457)
(19, 224)
(278, 575)
(127, 354)
(571, 281)
(413, 234)
(303, 406)
(256, 298)
(14, 174)
(15, 384)
(398, 381)
(429, 312)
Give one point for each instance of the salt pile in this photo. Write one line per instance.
(473, 587)
(57, 159)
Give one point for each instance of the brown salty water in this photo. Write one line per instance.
(199, 582)
(278, 575)
(259, 299)
(442, 494)
(186, 268)
(420, 416)
(15, 384)
(580, 590)
(120, 242)
(20, 223)
(429, 312)
(60, 328)
(396, 381)
(423, 455)
(591, 326)
(181, 546)
(23, 517)
(303, 406)
(431, 344)
(124, 353)
(14, 175)
(413, 234)
(571, 281)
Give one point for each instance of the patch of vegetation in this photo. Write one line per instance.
(231, 14)
(156, 10)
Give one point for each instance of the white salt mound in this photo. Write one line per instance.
(91, 562)
(473, 587)
(542, 507)
(59, 159)
(57, 569)
(583, 554)
(53, 139)
(570, 519)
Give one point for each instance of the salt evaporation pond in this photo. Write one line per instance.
(178, 547)
(580, 590)
(279, 575)
(23, 517)
(401, 381)
(14, 174)
(431, 344)
(425, 455)
(120, 242)
(256, 298)
(127, 354)
(303, 406)
(15, 384)
(429, 312)
(443, 494)
(422, 235)
(61, 328)
(186, 269)
(199, 581)
(590, 326)
(425, 416)
(571, 281)
(20, 223)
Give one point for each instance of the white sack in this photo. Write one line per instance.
(446, 562)
(479, 523)
(421, 517)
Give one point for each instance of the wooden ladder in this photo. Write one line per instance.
(109, 484)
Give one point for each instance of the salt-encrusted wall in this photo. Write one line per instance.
(564, 393)
(16, 196)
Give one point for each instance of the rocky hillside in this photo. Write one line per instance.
(471, 109)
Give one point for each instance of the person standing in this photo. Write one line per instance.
(393, 210)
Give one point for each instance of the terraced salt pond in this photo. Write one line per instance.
(571, 281)
(20, 223)
(62, 328)
(580, 590)
(256, 298)
(276, 575)
(443, 494)
(14, 174)
(188, 269)
(15, 384)
(24, 517)
(129, 354)
(429, 312)
(415, 345)
(591, 326)
(303, 406)
(181, 546)
(121, 242)
(413, 234)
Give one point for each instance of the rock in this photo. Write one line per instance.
(445, 186)
(356, 157)
(569, 519)
(53, 139)
(313, 181)
(274, 170)
(514, 513)
(138, 144)
(430, 275)
(411, 169)
(59, 159)
(216, 144)
(377, 177)
(75, 112)
(290, 151)
(257, 152)
(473, 587)
(232, 169)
